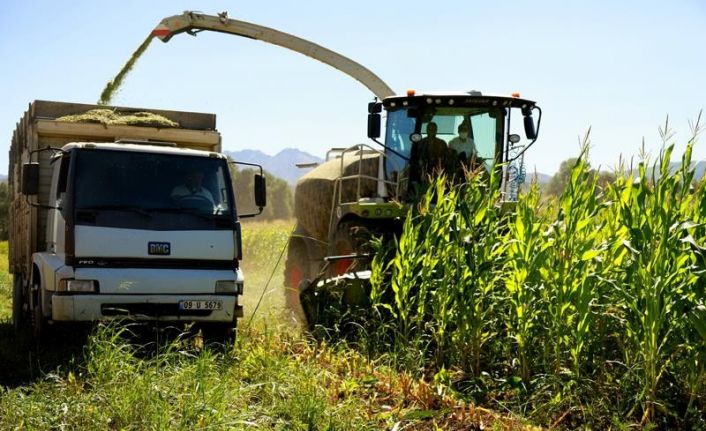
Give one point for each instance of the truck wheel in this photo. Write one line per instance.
(218, 333)
(19, 316)
(38, 320)
(296, 271)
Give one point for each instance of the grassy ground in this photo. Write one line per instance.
(272, 378)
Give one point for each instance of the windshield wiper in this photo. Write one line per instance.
(134, 209)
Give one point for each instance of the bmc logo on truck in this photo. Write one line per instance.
(159, 248)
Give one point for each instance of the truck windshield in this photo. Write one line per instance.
(150, 183)
(465, 131)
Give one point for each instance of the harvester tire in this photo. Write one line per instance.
(343, 244)
(350, 238)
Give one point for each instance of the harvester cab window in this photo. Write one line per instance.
(474, 137)
(484, 134)
(446, 127)
(468, 132)
(400, 128)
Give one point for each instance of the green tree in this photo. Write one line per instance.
(560, 180)
(279, 195)
(605, 178)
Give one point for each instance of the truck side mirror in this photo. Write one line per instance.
(530, 131)
(260, 191)
(30, 179)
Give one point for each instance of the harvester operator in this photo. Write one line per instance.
(463, 144)
(428, 155)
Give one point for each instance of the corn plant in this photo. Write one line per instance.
(595, 299)
(570, 269)
(525, 252)
(480, 230)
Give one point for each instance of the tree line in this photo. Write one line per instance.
(558, 182)
(280, 200)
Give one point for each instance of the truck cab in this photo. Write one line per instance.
(124, 239)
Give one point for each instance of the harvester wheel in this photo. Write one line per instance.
(296, 271)
(350, 238)
(343, 243)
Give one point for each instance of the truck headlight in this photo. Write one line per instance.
(229, 286)
(71, 285)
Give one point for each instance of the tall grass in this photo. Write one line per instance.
(587, 308)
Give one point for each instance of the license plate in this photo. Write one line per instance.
(200, 305)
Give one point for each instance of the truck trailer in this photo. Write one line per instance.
(133, 219)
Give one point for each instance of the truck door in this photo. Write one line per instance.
(55, 219)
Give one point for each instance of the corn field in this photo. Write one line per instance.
(585, 309)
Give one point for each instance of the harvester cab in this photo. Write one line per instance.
(427, 134)
(453, 132)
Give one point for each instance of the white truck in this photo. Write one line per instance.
(111, 221)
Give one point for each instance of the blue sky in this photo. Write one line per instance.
(618, 67)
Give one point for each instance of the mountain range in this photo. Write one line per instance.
(541, 178)
(282, 164)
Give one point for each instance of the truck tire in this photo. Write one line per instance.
(19, 314)
(38, 320)
(219, 333)
(297, 270)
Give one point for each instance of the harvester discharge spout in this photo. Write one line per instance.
(193, 22)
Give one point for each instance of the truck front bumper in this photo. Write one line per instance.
(90, 307)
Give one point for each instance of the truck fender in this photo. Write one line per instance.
(48, 268)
